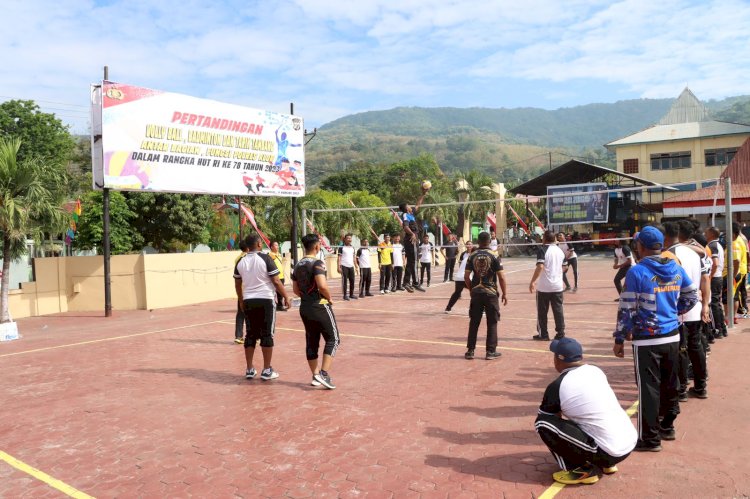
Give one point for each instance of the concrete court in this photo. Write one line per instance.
(154, 404)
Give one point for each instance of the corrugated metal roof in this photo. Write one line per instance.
(680, 131)
(738, 170)
(686, 109)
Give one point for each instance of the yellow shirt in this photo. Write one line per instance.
(739, 252)
(385, 253)
(279, 263)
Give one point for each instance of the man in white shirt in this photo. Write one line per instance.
(398, 264)
(365, 272)
(494, 244)
(691, 342)
(426, 251)
(717, 256)
(547, 282)
(346, 264)
(255, 278)
(595, 433)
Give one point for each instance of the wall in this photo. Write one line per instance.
(76, 284)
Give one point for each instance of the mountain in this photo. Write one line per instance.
(512, 144)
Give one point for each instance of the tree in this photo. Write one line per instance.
(123, 238)
(25, 202)
(478, 186)
(170, 222)
(42, 135)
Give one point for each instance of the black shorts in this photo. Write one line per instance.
(319, 321)
(260, 322)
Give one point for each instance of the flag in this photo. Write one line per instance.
(322, 240)
(537, 220)
(446, 230)
(368, 225)
(520, 221)
(251, 217)
(492, 220)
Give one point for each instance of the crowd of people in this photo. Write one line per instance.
(672, 287)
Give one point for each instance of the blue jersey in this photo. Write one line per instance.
(656, 291)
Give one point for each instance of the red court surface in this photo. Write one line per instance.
(155, 404)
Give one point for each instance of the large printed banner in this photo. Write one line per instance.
(157, 141)
(581, 206)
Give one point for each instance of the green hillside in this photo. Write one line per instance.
(510, 145)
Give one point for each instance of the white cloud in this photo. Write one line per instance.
(334, 56)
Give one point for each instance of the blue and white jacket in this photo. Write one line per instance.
(656, 291)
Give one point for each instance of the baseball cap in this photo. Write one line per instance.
(567, 349)
(650, 237)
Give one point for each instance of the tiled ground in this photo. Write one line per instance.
(154, 404)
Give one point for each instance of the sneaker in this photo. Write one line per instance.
(408, 288)
(420, 288)
(369, 294)
(268, 374)
(353, 297)
(567, 288)
(314, 381)
(559, 336)
(401, 288)
(250, 373)
(669, 434)
(492, 355)
(428, 284)
(325, 380)
(388, 291)
(382, 292)
(583, 475)
(683, 396)
(447, 311)
(610, 471)
(539, 337)
(346, 298)
(700, 394)
(239, 341)
(642, 446)
(469, 355)
(575, 290)
(361, 295)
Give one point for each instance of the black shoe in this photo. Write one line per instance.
(683, 396)
(408, 288)
(361, 295)
(699, 394)
(667, 434)
(642, 446)
(420, 288)
(538, 337)
(492, 355)
(469, 355)
(559, 336)
(567, 288)
(369, 294)
(353, 297)
(346, 298)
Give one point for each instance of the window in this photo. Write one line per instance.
(670, 161)
(630, 166)
(716, 157)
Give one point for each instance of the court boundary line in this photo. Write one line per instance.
(111, 338)
(63, 487)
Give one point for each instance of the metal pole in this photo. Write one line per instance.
(729, 256)
(550, 160)
(294, 212)
(239, 218)
(304, 223)
(106, 249)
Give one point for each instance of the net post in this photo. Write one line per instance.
(106, 247)
(729, 256)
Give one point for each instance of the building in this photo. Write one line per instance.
(686, 145)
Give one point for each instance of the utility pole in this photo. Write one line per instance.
(106, 249)
(550, 160)
(294, 211)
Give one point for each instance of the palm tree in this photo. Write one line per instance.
(477, 186)
(26, 204)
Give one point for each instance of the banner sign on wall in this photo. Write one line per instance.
(581, 206)
(157, 141)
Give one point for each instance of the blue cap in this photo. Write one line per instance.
(650, 237)
(567, 349)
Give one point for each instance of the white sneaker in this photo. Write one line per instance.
(268, 374)
(250, 373)
(314, 381)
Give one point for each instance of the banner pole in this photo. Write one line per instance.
(294, 211)
(239, 219)
(106, 248)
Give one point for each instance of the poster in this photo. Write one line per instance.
(149, 140)
(583, 205)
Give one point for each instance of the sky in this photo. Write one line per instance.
(337, 57)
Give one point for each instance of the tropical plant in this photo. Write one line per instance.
(25, 204)
(476, 186)
(123, 237)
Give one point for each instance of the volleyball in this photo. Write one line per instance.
(426, 185)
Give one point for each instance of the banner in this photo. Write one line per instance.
(157, 141)
(580, 206)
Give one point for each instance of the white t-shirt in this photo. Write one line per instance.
(624, 254)
(551, 279)
(425, 252)
(398, 255)
(584, 396)
(568, 251)
(691, 262)
(363, 257)
(717, 252)
(493, 244)
(256, 270)
(347, 256)
(459, 276)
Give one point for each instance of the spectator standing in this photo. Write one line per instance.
(548, 284)
(449, 251)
